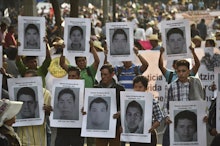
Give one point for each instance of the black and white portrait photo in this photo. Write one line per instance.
(66, 105)
(29, 90)
(134, 117)
(185, 126)
(31, 36)
(29, 97)
(175, 40)
(98, 113)
(119, 41)
(76, 41)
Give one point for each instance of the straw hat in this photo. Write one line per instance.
(197, 38)
(153, 37)
(58, 43)
(98, 45)
(9, 109)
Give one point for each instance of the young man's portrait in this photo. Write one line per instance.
(76, 39)
(98, 114)
(119, 44)
(176, 41)
(134, 117)
(66, 104)
(32, 36)
(185, 126)
(29, 108)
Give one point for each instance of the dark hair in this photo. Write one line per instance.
(28, 58)
(98, 100)
(26, 91)
(140, 78)
(134, 104)
(12, 53)
(211, 42)
(73, 68)
(31, 26)
(186, 114)
(182, 63)
(119, 31)
(66, 91)
(32, 72)
(109, 67)
(174, 30)
(76, 28)
(77, 57)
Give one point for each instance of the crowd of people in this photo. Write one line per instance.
(146, 18)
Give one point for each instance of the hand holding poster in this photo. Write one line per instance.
(100, 105)
(136, 116)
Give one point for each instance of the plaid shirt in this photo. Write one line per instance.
(177, 92)
(157, 113)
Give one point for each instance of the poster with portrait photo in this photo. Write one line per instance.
(136, 116)
(31, 37)
(187, 127)
(30, 91)
(100, 106)
(120, 41)
(77, 33)
(176, 38)
(67, 103)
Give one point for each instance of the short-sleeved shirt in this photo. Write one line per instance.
(125, 76)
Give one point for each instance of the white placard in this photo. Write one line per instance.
(176, 38)
(77, 33)
(218, 112)
(136, 116)
(188, 127)
(120, 41)
(67, 103)
(100, 106)
(31, 36)
(30, 91)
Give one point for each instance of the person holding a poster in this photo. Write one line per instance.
(185, 126)
(176, 43)
(119, 45)
(107, 81)
(125, 73)
(190, 88)
(134, 118)
(30, 62)
(76, 37)
(31, 37)
(70, 136)
(140, 83)
(98, 113)
(86, 72)
(36, 135)
(171, 75)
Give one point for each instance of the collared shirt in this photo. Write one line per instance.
(177, 92)
(157, 113)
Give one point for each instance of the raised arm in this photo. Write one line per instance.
(160, 63)
(95, 55)
(144, 62)
(63, 63)
(196, 60)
